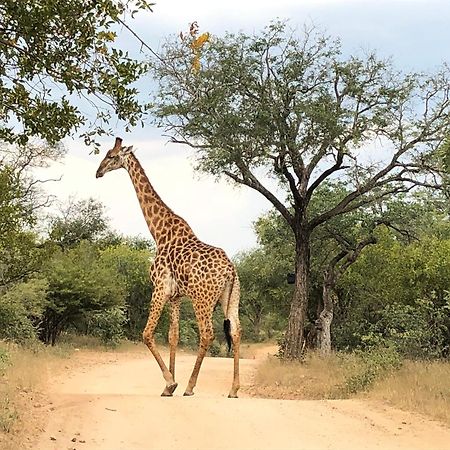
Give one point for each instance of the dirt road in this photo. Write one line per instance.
(111, 402)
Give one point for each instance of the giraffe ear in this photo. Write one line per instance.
(117, 146)
(128, 149)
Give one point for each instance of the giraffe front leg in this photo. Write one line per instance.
(174, 334)
(159, 298)
(206, 337)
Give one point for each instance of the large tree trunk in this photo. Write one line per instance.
(294, 338)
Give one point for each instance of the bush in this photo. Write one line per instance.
(20, 309)
(108, 325)
(370, 365)
(15, 325)
(418, 331)
(189, 336)
(218, 350)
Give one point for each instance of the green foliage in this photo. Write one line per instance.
(132, 266)
(18, 254)
(14, 209)
(79, 282)
(397, 293)
(214, 349)
(82, 220)
(219, 350)
(371, 365)
(21, 308)
(244, 108)
(265, 295)
(420, 330)
(46, 48)
(189, 335)
(108, 325)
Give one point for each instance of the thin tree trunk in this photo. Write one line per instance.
(332, 273)
(294, 338)
(325, 317)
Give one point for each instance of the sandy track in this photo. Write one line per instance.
(112, 402)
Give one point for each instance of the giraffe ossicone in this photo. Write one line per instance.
(183, 266)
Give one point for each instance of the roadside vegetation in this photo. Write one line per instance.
(25, 372)
(418, 386)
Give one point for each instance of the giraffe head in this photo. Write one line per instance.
(114, 159)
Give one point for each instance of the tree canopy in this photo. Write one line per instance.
(298, 110)
(56, 54)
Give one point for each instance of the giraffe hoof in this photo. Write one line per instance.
(168, 391)
(188, 394)
(232, 396)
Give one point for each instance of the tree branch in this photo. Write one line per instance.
(250, 180)
(370, 184)
(280, 167)
(325, 174)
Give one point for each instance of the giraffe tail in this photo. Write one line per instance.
(227, 331)
(230, 308)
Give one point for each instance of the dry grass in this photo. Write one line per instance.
(22, 375)
(423, 387)
(259, 350)
(315, 378)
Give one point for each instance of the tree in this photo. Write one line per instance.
(53, 52)
(82, 220)
(264, 293)
(334, 248)
(79, 282)
(336, 267)
(132, 265)
(300, 111)
(21, 200)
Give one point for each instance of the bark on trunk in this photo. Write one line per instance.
(294, 338)
(325, 319)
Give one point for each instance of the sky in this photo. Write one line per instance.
(414, 33)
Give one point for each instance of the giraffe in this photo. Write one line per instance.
(183, 266)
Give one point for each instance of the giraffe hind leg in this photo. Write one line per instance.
(159, 298)
(206, 329)
(236, 339)
(232, 328)
(174, 333)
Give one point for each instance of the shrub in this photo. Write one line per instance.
(108, 325)
(370, 365)
(189, 336)
(417, 331)
(20, 309)
(219, 350)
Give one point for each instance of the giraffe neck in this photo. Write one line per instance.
(163, 223)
